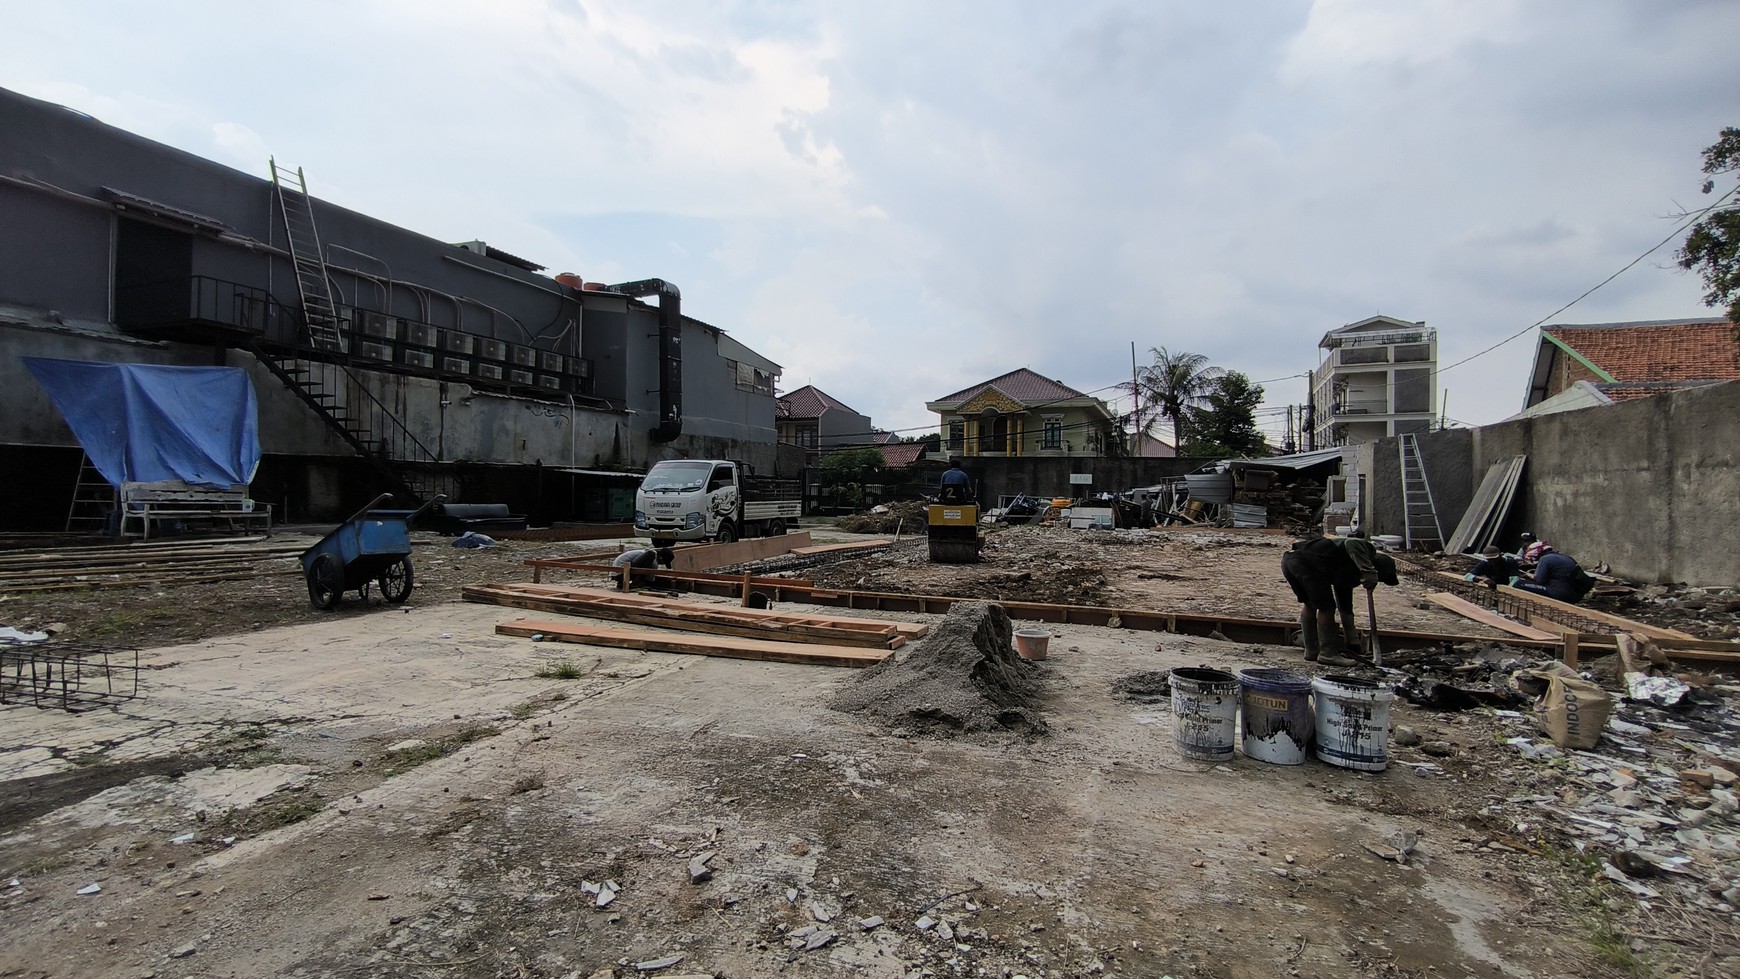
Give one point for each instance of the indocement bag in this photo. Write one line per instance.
(1571, 710)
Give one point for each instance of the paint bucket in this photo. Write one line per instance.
(1205, 706)
(1277, 715)
(1031, 643)
(1353, 722)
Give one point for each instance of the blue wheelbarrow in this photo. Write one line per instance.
(372, 546)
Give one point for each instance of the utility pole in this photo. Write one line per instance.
(1135, 401)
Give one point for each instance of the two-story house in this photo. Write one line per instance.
(1024, 414)
(811, 418)
(1377, 378)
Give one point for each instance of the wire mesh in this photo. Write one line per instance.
(71, 676)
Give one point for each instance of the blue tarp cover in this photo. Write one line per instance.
(144, 423)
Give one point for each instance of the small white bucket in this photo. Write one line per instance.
(1353, 722)
(1031, 643)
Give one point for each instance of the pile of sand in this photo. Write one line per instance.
(964, 676)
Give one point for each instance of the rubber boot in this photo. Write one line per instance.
(1330, 648)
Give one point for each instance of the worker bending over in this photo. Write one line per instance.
(1322, 572)
(1558, 576)
(644, 557)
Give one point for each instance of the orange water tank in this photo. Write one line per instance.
(570, 280)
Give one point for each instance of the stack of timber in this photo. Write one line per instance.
(1485, 516)
(146, 565)
(754, 649)
(799, 637)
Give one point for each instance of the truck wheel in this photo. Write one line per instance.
(775, 528)
(727, 532)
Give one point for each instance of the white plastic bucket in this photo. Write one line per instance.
(1205, 709)
(1032, 643)
(1353, 722)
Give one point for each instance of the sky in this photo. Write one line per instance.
(896, 200)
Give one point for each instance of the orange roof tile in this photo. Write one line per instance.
(1663, 350)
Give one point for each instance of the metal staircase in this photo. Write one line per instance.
(364, 422)
(93, 500)
(1422, 515)
(318, 310)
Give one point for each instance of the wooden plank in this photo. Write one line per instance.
(837, 548)
(705, 557)
(716, 621)
(1469, 610)
(751, 649)
(909, 630)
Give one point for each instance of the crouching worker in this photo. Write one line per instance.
(644, 557)
(1558, 576)
(1495, 568)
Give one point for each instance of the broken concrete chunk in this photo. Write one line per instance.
(653, 965)
(1405, 736)
(925, 923)
(1438, 749)
(1701, 778)
(791, 895)
(871, 923)
(698, 870)
(818, 940)
(820, 913)
(90, 889)
(945, 932)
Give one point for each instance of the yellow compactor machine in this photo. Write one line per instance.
(954, 533)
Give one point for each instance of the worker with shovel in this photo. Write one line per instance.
(1322, 573)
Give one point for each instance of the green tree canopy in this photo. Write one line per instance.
(1224, 425)
(1712, 247)
(855, 465)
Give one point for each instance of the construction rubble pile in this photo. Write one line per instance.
(1292, 508)
(1653, 799)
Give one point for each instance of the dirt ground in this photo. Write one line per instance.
(401, 792)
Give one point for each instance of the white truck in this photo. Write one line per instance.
(713, 499)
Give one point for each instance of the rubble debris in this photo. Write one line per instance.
(654, 965)
(964, 677)
(603, 893)
(698, 869)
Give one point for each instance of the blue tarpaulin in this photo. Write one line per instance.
(144, 423)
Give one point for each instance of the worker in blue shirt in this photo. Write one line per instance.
(957, 486)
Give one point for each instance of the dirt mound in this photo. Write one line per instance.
(1146, 687)
(891, 518)
(963, 677)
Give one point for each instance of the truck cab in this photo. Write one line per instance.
(711, 499)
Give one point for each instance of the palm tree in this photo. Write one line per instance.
(1172, 385)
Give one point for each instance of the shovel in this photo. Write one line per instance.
(1377, 652)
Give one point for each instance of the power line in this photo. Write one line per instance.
(1688, 222)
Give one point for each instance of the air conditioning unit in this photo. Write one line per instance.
(456, 365)
(458, 341)
(375, 351)
(378, 324)
(421, 334)
(550, 381)
(582, 367)
(520, 377)
(490, 372)
(550, 361)
(419, 358)
(491, 349)
(523, 356)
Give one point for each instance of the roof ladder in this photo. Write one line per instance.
(1422, 515)
(318, 311)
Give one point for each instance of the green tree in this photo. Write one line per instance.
(1169, 388)
(1225, 424)
(845, 471)
(1712, 247)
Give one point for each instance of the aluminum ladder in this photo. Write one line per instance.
(93, 500)
(319, 313)
(1422, 515)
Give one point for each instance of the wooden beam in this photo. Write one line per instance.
(1469, 610)
(705, 557)
(642, 600)
(751, 649)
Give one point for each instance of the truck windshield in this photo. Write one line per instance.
(677, 477)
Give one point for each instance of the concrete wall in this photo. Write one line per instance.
(1049, 477)
(1651, 487)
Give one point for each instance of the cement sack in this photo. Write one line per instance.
(1569, 709)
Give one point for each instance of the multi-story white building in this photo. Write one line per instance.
(1378, 377)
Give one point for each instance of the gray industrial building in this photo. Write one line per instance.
(381, 359)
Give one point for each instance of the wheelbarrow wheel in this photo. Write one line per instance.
(396, 581)
(325, 582)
